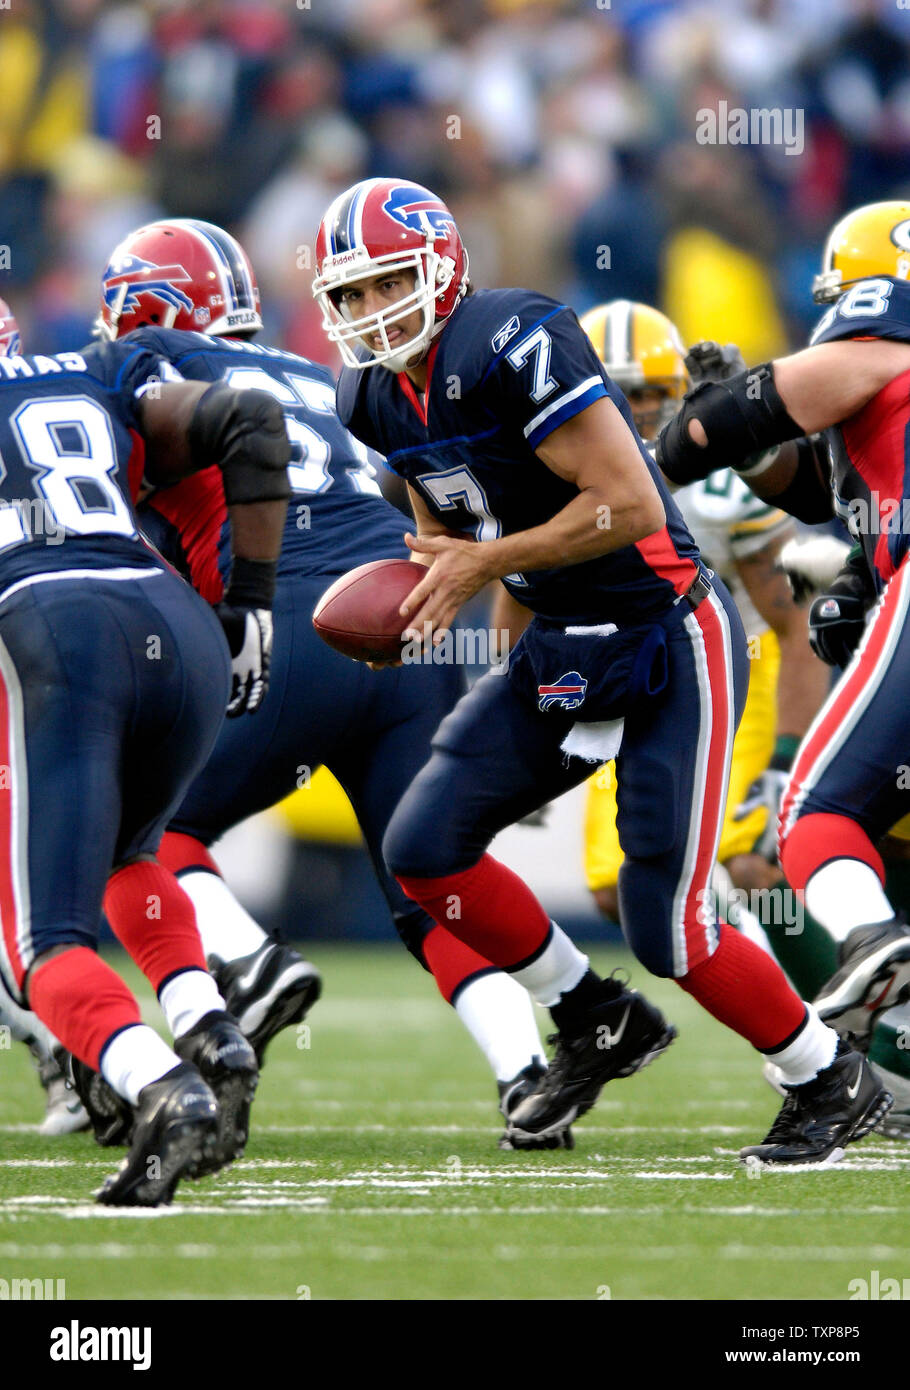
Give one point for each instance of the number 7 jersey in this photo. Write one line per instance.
(509, 368)
(71, 459)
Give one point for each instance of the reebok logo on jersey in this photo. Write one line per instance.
(502, 335)
(567, 693)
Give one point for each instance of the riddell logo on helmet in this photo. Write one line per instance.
(360, 253)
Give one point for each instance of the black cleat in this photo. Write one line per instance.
(838, 1106)
(874, 975)
(176, 1124)
(111, 1116)
(511, 1094)
(620, 1036)
(227, 1062)
(267, 991)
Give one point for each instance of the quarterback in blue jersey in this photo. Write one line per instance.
(166, 282)
(113, 682)
(840, 412)
(523, 465)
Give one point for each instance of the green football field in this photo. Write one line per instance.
(373, 1172)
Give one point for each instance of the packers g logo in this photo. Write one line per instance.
(900, 235)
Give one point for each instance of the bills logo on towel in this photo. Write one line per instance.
(567, 693)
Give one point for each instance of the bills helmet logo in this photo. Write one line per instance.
(567, 693)
(125, 280)
(416, 209)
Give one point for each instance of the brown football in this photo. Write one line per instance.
(358, 615)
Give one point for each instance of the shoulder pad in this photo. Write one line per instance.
(349, 392)
(485, 325)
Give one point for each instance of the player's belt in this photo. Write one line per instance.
(698, 590)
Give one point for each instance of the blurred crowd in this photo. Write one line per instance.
(563, 133)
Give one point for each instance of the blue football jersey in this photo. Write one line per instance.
(71, 458)
(870, 452)
(337, 518)
(510, 367)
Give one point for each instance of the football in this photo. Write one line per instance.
(358, 615)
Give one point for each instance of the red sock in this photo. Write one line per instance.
(82, 1001)
(745, 989)
(817, 839)
(153, 918)
(179, 852)
(487, 907)
(451, 961)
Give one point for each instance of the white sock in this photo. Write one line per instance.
(845, 894)
(557, 969)
(188, 997)
(227, 929)
(136, 1058)
(812, 1049)
(499, 1015)
(25, 1026)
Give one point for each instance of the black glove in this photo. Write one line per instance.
(245, 613)
(708, 361)
(837, 619)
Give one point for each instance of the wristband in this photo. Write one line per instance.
(252, 583)
(785, 750)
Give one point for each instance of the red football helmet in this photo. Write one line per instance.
(388, 225)
(10, 342)
(179, 273)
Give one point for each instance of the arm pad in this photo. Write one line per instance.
(243, 433)
(741, 416)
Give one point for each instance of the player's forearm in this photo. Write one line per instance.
(587, 527)
(257, 529)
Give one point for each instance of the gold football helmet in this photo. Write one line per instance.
(871, 240)
(642, 351)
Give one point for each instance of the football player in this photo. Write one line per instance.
(740, 537)
(839, 410)
(113, 679)
(826, 569)
(189, 288)
(497, 411)
(64, 1113)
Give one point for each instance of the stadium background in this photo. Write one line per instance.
(561, 134)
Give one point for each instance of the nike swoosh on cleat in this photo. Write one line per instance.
(247, 981)
(853, 1090)
(616, 1038)
(875, 1004)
